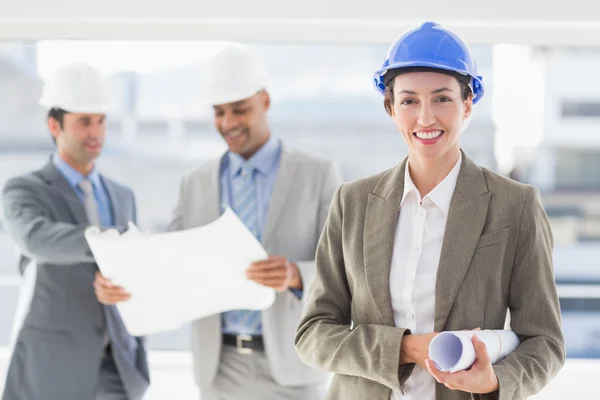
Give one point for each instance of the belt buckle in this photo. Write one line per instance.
(239, 341)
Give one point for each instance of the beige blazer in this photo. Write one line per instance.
(297, 212)
(496, 255)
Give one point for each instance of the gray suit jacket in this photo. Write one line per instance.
(59, 347)
(496, 255)
(303, 191)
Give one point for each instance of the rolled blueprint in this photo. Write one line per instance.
(453, 351)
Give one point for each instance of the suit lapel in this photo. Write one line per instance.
(73, 204)
(381, 219)
(466, 219)
(204, 193)
(213, 198)
(284, 184)
(116, 202)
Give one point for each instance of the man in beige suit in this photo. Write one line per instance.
(283, 197)
(434, 244)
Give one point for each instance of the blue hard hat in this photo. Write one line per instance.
(431, 46)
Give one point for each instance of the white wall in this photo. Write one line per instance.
(348, 21)
(466, 10)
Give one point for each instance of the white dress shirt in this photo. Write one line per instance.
(416, 255)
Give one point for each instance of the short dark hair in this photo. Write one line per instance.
(59, 115)
(388, 99)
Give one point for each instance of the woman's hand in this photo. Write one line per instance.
(415, 349)
(479, 379)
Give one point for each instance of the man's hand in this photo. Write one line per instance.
(415, 349)
(479, 379)
(275, 272)
(107, 293)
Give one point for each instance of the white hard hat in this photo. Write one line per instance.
(78, 88)
(235, 73)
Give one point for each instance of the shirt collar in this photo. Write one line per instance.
(409, 185)
(441, 195)
(72, 175)
(263, 160)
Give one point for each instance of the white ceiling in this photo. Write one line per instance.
(543, 22)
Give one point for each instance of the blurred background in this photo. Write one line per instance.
(539, 121)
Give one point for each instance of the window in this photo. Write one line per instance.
(574, 109)
(590, 305)
(577, 170)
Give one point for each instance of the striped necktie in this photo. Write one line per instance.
(245, 205)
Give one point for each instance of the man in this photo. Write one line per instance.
(69, 346)
(283, 197)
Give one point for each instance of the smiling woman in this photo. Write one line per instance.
(374, 309)
(429, 109)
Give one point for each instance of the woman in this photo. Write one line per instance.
(436, 243)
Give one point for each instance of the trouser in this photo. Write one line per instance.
(249, 377)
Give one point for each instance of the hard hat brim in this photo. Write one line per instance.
(217, 100)
(75, 108)
(378, 76)
(392, 73)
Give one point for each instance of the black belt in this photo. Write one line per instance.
(245, 344)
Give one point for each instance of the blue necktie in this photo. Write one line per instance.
(245, 205)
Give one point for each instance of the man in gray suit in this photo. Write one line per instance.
(283, 197)
(69, 346)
